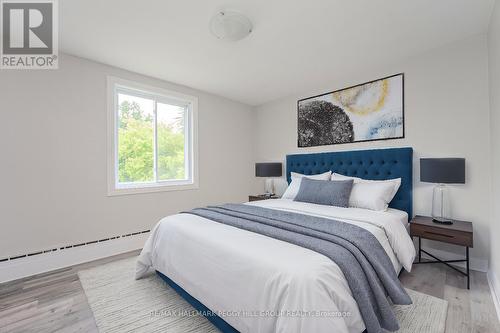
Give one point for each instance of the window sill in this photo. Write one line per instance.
(151, 189)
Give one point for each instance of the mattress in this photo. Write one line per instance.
(257, 283)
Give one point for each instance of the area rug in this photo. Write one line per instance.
(122, 304)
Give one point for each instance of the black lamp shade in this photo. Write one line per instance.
(442, 170)
(268, 169)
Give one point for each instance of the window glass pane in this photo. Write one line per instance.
(170, 136)
(135, 139)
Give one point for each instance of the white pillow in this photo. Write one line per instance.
(293, 188)
(396, 182)
(371, 194)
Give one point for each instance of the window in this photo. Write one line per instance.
(152, 139)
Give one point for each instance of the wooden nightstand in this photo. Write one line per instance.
(458, 233)
(261, 197)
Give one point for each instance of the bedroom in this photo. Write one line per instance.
(121, 118)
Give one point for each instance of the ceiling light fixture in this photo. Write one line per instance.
(230, 25)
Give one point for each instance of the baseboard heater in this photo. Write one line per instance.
(62, 248)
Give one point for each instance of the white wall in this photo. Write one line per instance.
(446, 115)
(53, 143)
(494, 75)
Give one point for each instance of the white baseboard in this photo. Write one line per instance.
(495, 290)
(46, 262)
(476, 264)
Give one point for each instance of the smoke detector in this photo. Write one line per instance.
(230, 25)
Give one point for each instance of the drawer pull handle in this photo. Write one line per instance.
(438, 234)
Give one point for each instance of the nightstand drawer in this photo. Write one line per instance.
(442, 235)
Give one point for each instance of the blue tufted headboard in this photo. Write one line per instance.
(376, 164)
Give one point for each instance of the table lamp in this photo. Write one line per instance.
(268, 170)
(442, 171)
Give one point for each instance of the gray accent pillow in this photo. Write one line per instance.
(325, 192)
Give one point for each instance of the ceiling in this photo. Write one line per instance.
(294, 45)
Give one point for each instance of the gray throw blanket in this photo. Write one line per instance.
(365, 264)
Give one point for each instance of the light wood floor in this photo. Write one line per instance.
(55, 301)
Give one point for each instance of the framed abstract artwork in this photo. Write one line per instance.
(366, 112)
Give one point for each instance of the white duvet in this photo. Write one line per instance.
(260, 284)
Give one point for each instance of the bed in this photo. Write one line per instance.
(232, 275)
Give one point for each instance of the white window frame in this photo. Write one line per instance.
(115, 85)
